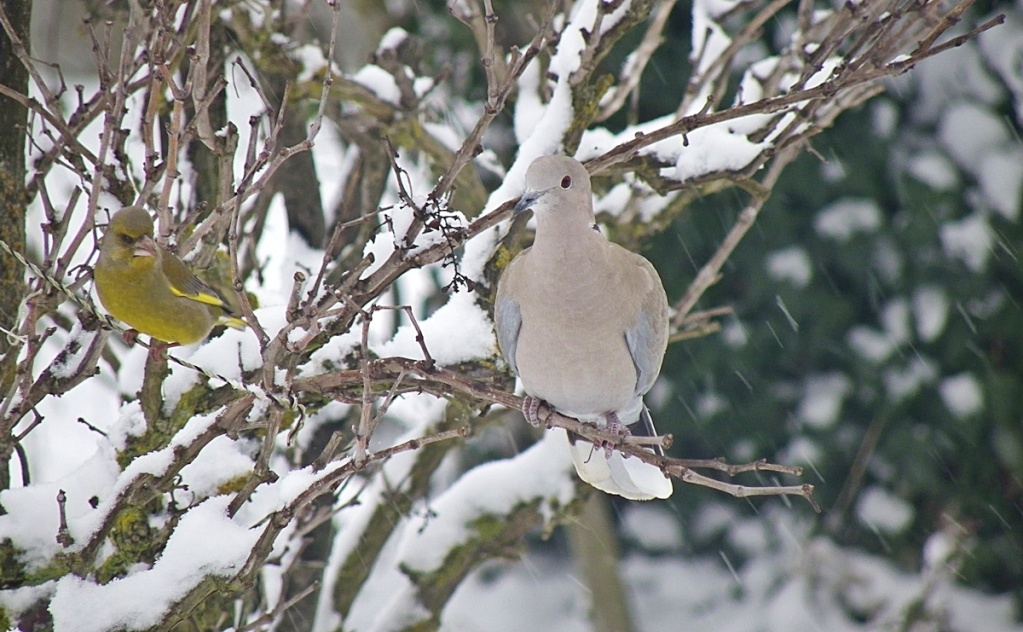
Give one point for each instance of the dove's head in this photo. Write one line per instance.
(557, 188)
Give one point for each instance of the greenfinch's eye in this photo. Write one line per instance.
(125, 238)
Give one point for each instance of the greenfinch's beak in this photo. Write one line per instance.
(145, 247)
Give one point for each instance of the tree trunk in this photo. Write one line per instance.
(594, 543)
(13, 120)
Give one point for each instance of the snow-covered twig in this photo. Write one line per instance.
(326, 483)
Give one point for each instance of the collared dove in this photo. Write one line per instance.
(583, 322)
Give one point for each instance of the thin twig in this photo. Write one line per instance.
(709, 273)
(63, 535)
(470, 146)
(632, 71)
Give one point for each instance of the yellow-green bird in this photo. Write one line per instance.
(149, 288)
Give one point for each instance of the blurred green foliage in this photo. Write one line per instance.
(741, 400)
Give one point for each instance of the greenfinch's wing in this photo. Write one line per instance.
(232, 322)
(184, 283)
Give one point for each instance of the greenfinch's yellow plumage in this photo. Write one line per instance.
(149, 288)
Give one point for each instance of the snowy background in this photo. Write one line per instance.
(876, 341)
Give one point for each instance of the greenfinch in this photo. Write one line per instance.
(149, 288)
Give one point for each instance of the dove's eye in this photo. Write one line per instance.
(566, 182)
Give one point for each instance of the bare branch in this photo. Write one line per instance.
(444, 382)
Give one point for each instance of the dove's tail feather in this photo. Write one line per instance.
(626, 477)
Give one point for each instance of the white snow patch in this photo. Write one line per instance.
(959, 78)
(310, 59)
(15, 601)
(458, 331)
(422, 85)
(969, 131)
(332, 354)
(884, 117)
(895, 318)
(32, 519)
(966, 608)
(444, 133)
(77, 345)
(719, 147)
(902, 382)
(659, 601)
(283, 252)
(392, 38)
(822, 399)
(734, 333)
(935, 170)
(887, 259)
(634, 199)
(708, 41)
(205, 542)
(714, 519)
(790, 264)
(749, 536)
(131, 422)
(930, 311)
(350, 523)
(652, 526)
(595, 142)
(528, 106)
(938, 550)
(181, 379)
(154, 463)
(543, 471)
(962, 395)
(614, 201)
(709, 404)
(846, 217)
(538, 593)
(987, 305)
(400, 609)
(713, 148)
(801, 450)
(871, 344)
(878, 508)
(379, 82)
(834, 170)
(1001, 180)
(1002, 49)
(969, 240)
(651, 204)
(222, 460)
